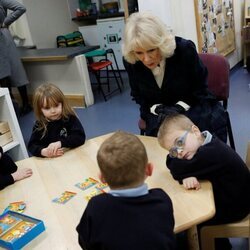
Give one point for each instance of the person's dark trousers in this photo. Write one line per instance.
(181, 241)
(25, 100)
(5, 83)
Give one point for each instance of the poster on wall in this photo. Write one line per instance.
(215, 26)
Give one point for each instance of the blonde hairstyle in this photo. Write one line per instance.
(122, 159)
(51, 95)
(174, 121)
(146, 31)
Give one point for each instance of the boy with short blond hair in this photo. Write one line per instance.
(114, 160)
(195, 155)
(130, 216)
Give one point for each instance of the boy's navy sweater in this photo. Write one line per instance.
(227, 172)
(69, 131)
(121, 223)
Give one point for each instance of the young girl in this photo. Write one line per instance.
(9, 172)
(56, 126)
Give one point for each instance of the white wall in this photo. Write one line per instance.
(20, 28)
(47, 19)
(153, 5)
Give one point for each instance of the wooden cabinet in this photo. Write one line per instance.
(16, 148)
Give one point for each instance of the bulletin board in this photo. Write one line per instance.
(215, 26)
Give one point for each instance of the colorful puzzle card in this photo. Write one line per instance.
(7, 221)
(18, 206)
(89, 182)
(65, 197)
(94, 193)
(101, 185)
(17, 231)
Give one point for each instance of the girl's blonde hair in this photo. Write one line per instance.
(51, 95)
(146, 31)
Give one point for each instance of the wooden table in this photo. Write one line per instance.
(54, 176)
(53, 54)
(65, 67)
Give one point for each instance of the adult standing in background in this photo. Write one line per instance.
(12, 73)
(167, 76)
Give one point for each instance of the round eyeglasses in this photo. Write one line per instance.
(178, 145)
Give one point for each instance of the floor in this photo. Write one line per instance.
(120, 112)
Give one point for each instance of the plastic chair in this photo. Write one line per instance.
(104, 53)
(240, 229)
(98, 68)
(218, 83)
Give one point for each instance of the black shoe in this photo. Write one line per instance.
(26, 109)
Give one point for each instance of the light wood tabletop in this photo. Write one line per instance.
(51, 177)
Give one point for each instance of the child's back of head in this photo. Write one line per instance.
(122, 159)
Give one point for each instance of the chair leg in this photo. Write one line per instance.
(119, 72)
(142, 131)
(230, 132)
(116, 64)
(207, 241)
(100, 85)
(117, 82)
(107, 75)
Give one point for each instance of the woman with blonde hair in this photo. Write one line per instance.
(56, 126)
(167, 76)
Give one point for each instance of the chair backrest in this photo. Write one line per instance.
(218, 74)
(70, 40)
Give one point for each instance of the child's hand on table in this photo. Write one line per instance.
(191, 183)
(21, 174)
(53, 150)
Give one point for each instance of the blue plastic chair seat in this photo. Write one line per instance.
(93, 53)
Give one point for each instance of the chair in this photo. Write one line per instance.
(104, 53)
(218, 83)
(239, 229)
(98, 68)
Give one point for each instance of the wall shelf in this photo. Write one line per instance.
(98, 16)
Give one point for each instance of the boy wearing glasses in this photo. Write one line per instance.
(195, 155)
